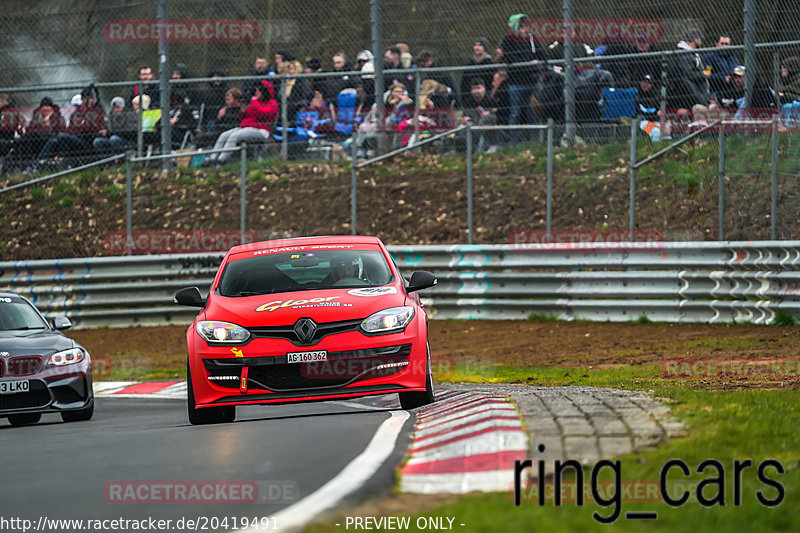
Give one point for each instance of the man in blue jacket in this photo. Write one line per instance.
(721, 62)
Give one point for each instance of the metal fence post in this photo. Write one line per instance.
(749, 51)
(632, 213)
(353, 182)
(773, 234)
(569, 74)
(139, 132)
(470, 206)
(243, 191)
(128, 206)
(721, 181)
(163, 76)
(284, 122)
(550, 134)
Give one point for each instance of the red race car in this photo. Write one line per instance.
(295, 320)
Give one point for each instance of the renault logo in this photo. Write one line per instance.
(305, 328)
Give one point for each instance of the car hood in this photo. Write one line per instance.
(34, 342)
(330, 305)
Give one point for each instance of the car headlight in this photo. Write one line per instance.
(388, 320)
(67, 357)
(213, 331)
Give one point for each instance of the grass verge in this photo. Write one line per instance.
(726, 425)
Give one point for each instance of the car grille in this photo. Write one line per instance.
(288, 332)
(37, 396)
(342, 368)
(23, 366)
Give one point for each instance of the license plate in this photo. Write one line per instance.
(306, 357)
(13, 387)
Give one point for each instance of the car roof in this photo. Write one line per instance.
(8, 293)
(305, 241)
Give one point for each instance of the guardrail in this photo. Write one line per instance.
(669, 281)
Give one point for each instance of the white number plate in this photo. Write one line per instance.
(13, 387)
(306, 357)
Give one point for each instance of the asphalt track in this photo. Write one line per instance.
(66, 471)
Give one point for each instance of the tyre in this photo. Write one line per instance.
(207, 415)
(412, 400)
(80, 415)
(24, 419)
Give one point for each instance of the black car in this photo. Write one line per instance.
(41, 369)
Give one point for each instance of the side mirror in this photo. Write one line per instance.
(61, 322)
(189, 296)
(420, 279)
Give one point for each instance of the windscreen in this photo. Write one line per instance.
(305, 270)
(17, 314)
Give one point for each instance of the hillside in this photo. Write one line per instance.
(413, 199)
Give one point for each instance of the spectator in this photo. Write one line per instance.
(366, 63)
(319, 116)
(262, 70)
(425, 59)
(181, 72)
(258, 118)
(683, 100)
(721, 63)
(589, 84)
(405, 55)
(499, 93)
(86, 122)
(212, 98)
(622, 69)
(181, 119)
(519, 46)
(148, 87)
(142, 102)
(480, 57)
(46, 123)
(282, 56)
(10, 123)
(790, 82)
(298, 90)
(398, 105)
(122, 127)
(481, 110)
(335, 85)
(640, 67)
(732, 95)
(549, 103)
(690, 66)
(227, 117)
(391, 60)
(314, 66)
(648, 99)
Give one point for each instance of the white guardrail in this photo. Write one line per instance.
(702, 282)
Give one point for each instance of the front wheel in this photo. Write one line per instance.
(24, 419)
(77, 416)
(208, 415)
(412, 400)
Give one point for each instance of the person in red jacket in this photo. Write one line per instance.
(258, 118)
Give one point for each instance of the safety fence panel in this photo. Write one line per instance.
(700, 282)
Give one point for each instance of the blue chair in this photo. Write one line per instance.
(619, 103)
(790, 114)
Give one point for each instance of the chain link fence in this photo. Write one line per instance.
(55, 49)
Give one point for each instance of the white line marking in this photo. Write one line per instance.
(352, 477)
